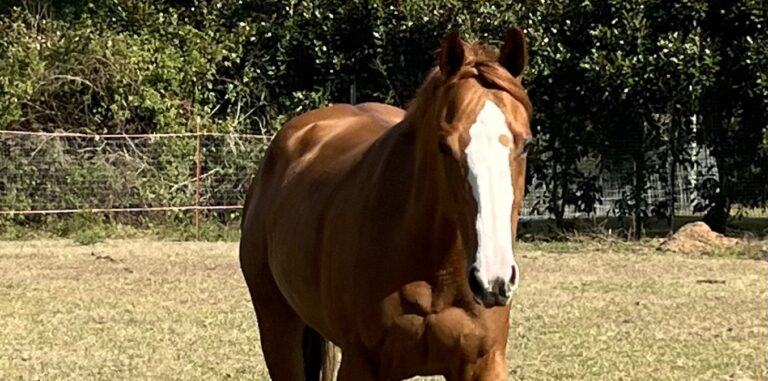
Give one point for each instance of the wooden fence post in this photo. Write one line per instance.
(198, 168)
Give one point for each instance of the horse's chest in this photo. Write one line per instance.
(424, 335)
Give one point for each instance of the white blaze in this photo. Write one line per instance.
(491, 181)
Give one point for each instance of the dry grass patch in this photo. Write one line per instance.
(606, 316)
(125, 310)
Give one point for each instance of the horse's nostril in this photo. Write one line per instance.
(475, 285)
(504, 289)
(513, 277)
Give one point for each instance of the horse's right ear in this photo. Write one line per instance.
(451, 56)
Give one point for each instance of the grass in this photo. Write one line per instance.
(752, 224)
(152, 310)
(90, 228)
(225, 225)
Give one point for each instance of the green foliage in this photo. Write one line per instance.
(564, 162)
(88, 229)
(735, 116)
(623, 86)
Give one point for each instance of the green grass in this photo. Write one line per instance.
(89, 229)
(151, 310)
(224, 226)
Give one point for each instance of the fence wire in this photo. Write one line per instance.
(67, 173)
(49, 173)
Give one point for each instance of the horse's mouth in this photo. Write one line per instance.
(498, 296)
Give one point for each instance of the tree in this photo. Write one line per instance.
(564, 161)
(648, 69)
(734, 112)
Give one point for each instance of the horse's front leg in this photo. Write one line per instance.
(491, 367)
(355, 366)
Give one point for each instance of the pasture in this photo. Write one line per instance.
(153, 310)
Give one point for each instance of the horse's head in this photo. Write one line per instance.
(480, 116)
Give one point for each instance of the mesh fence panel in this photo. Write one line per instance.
(46, 173)
(64, 173)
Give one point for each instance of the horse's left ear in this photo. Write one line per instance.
(514, 53)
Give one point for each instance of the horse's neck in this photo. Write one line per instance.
(423, 215)
(414, 151)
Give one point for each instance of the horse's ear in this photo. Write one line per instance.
(514, 53)
(452, 55)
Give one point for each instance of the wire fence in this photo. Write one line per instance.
(615, 190)
(70, 173)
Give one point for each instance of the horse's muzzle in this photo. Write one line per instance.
(498, 294)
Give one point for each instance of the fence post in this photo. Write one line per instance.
(198, 168)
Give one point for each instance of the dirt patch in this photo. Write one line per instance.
(697, 238)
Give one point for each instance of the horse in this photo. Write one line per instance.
(389, 234)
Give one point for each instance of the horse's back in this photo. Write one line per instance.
(323, 142)
(329, 139)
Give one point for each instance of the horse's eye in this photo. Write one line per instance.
(444, 148)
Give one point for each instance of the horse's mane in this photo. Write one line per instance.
(481, 63)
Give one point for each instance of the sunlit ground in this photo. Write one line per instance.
(149, 310)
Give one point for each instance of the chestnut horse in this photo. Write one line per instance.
(390, 233)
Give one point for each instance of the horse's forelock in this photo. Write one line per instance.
(500, 78)
(481, 64)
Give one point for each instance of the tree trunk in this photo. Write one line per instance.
(717, 216)
(674, 126)
(640, 179)
(556, 198)
(639, 196)
(563, 196)
(557, 206)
